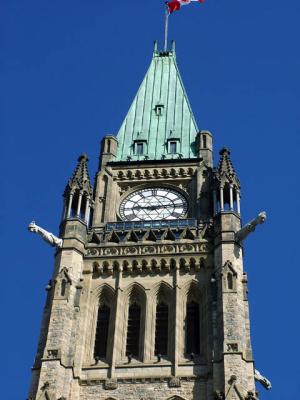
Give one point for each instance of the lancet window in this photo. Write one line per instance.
(161, 329)
(101, 339)
(133, 330)
(192, 328)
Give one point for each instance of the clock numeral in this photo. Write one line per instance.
(154, 192)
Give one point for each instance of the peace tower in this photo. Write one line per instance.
(148, 297)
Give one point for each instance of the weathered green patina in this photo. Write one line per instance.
(160, 123)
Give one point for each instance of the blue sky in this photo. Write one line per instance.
(69, 70)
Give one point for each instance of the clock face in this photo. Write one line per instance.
(153, 204)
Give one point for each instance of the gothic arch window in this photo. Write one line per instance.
(101, 339)
(230, 281)
(63, 287)
(134, 324)
(62, 284)
(229, 277)
(133, 330)
(101, 325)
(161, 328)
(193, 324)
(192, 328)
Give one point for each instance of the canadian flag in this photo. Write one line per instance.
(175, 5)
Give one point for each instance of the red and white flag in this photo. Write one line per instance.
(175, 5)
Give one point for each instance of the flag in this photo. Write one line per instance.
(175, 5)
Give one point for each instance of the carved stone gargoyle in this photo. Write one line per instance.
(250, 227)
(263, 380)
(53, 240)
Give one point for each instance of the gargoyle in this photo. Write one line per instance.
(47, 236)
(263, 380)
(250, 227)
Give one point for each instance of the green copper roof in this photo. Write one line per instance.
(160, 114)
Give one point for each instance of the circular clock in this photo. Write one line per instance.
(154, 203)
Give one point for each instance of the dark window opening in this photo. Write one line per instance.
(133, 330)
(159, 110)
(63, 287)
(192, 328)
(139, 148)
(108, 146)
(83, 207)
(102, 331)
(229, 281)
(204, 139)
(173, 147)
(74, 204)
(161, 329)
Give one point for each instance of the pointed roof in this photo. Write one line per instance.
(160, 112)
(80, 178)
(225, 171)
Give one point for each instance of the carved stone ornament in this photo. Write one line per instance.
(53, 353)
(47, 236)
(110, 251)
(174, 382)
(187, 247)
(232, 347)
(250, 227)
(92, 252)
(130, 250)
(262, 379)
(168, 249)
(148, 250)
(110, 384)
(250, 396)
(219, 395)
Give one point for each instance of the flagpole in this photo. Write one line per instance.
(166, 28)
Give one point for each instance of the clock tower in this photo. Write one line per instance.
(148, 297)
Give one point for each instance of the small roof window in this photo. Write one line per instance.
(173, 146)
(159, 110)
(140, 147)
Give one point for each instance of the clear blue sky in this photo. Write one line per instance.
(69, 70)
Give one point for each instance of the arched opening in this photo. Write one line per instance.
(161, 329)
(63, 287)
(204, 141)
(192, 327)
(133, 330)
(100, 349)
(105, 186)
(108, 146)
(229, 281)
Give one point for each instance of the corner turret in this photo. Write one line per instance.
(78, 203)
(78, 193)
(227, 188)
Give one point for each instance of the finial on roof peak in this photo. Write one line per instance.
(165, 52)
(224, 151)
(83, 157)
